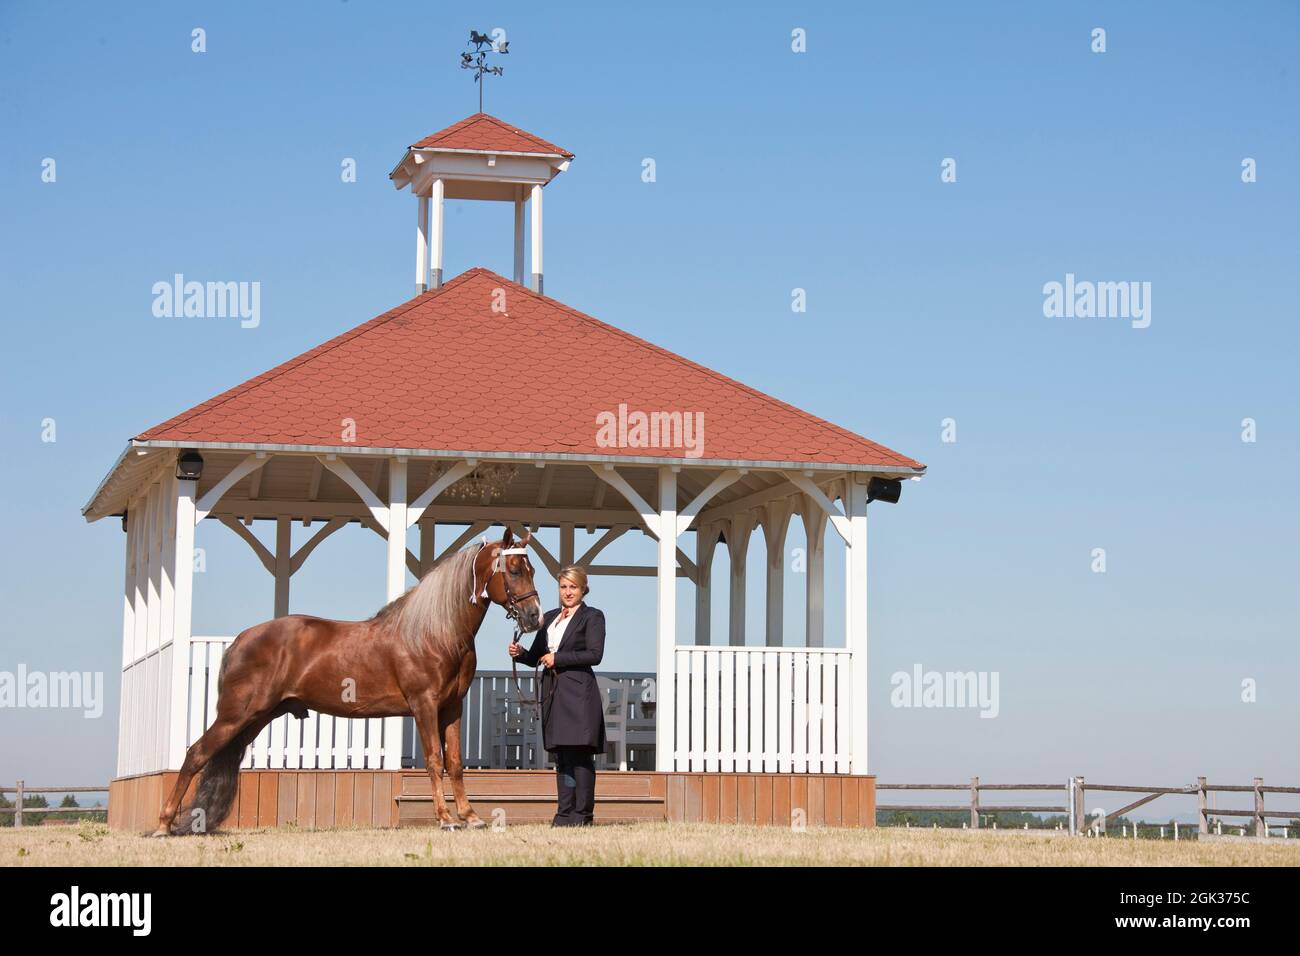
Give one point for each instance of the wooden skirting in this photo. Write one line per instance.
(320, 799)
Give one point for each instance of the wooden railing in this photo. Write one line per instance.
(1076, 789)
(21, 790)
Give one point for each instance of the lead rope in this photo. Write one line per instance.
(536, 702)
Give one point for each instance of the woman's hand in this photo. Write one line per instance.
(515, 649)
(548, 660)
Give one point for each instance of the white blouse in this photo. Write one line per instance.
(555, 633)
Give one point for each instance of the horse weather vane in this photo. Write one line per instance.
(477, 61)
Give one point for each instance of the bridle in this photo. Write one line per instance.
(512, 612)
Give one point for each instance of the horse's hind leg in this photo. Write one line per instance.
(214, 739)
(425, 710)
(451, 751)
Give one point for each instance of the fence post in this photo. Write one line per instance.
(1078, 804)
(1261, 828)
(1069, 805)
(18, 806)
(1205, 817)
(974, 803)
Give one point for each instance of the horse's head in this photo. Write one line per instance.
(511, 581)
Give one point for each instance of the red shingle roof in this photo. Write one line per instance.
(485, 132)
(428, 375)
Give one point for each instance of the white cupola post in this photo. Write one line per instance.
(480, 158)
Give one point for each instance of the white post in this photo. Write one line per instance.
(396, 585)
(706, 540)
(435, 237)
(776, 521)
(519, 235)
(536, 283)
(428, 545)
(665, 705)
(182, 602)
(422, 245)
(855, 509)
(814, 525)
(738, 549)
(283, 564)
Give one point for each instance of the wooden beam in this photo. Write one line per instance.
(687, 514)
(263, 553)
(317, 472)
(810, 488)
(303, 553)
(649, 516)
(473, 531)
(232, 478)
(440, 484)
(607, 538)
(378, 510)
(544, 493)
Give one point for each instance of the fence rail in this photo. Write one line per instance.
(21, 790)
(1076, 790)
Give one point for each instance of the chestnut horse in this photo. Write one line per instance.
(415, 656)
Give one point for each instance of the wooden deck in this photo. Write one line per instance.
(320, 799)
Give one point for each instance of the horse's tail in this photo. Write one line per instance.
(217, 788)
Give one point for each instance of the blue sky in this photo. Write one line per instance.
(775, 170)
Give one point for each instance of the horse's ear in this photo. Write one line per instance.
(528, 536)
(506, 538)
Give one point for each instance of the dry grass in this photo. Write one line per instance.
(648, 844)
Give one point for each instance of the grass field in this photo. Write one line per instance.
(648, 844)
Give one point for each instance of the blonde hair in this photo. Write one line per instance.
(575, 573)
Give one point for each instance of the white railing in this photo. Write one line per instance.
(762, 709)
(319, 742)
(143, 719)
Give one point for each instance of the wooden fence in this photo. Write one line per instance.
(22, 790)
(1075, 790)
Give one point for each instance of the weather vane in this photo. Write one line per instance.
(477, 61)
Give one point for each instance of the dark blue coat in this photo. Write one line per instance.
(573, 709)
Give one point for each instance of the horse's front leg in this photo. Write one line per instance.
(425, 710)
(450, 718)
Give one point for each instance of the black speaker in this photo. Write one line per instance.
(884, 489)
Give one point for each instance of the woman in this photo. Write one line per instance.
(570, 640)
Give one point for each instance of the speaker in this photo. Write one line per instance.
(884, 489)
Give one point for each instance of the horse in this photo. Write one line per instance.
(414, 657)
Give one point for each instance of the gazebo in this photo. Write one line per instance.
(390, 423)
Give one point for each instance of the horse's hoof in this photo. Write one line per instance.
(448, 827)
(478, 823)
(160, 832)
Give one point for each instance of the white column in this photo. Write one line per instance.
(566, 545)
(519, 235)
(396, 587)
(706, 541)
(131, 522)
(422, 245)
(435, 232)
(776, 522)
(855, 509)
(536, 283)
(283, 564)
(182, 602)
(738, 549)
(665, 707)
(428, 545)
(814, 526)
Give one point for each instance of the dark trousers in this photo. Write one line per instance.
(575, 786)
